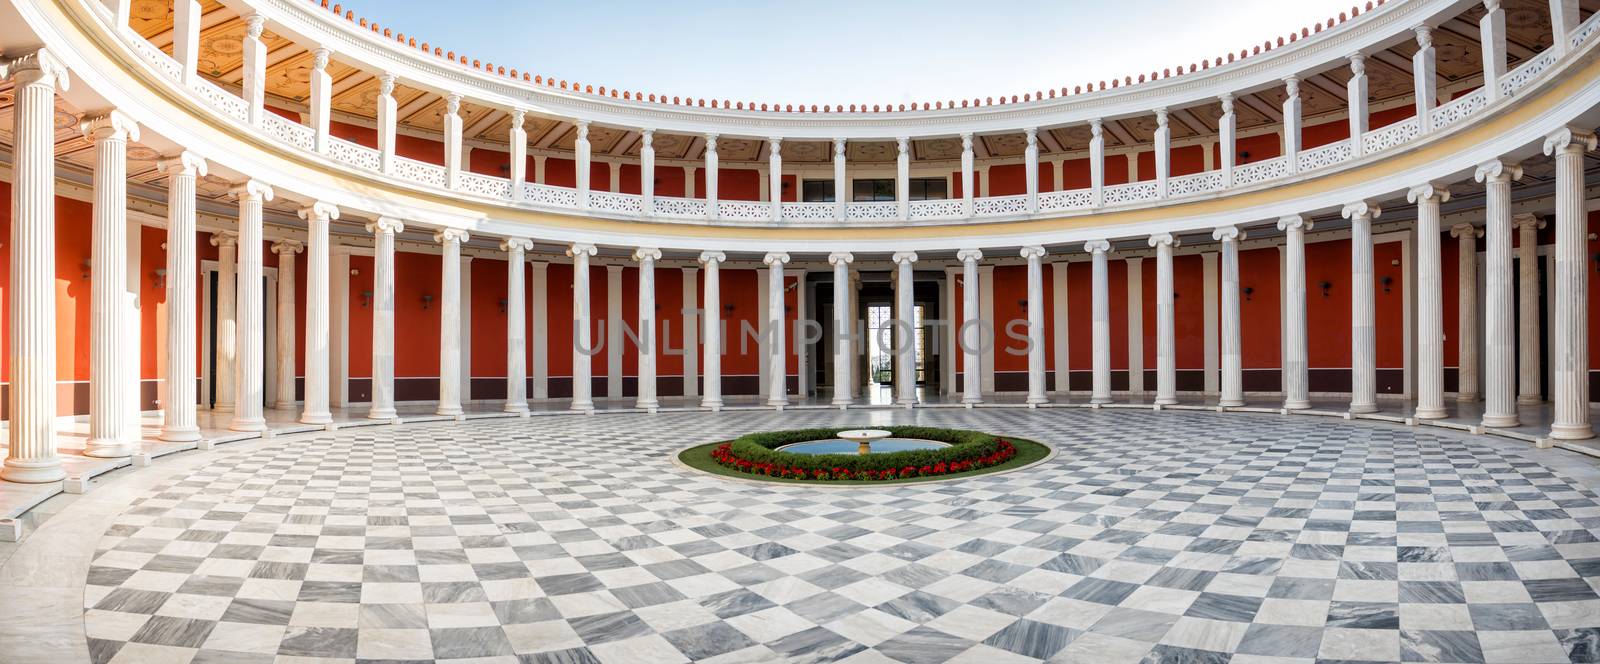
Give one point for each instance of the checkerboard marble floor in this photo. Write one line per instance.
(1149, 537)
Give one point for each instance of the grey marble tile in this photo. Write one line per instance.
(467, 642)
(609, 627)
(708, 640)
(1281, 640)
(918, 606)
(1032, 639)
(815, 645)
(923, 645)
(1440, 646)
(736, 603)
(179, 632)
(320, 642)
(1218, 606)
(1507, 617)
(259, 611)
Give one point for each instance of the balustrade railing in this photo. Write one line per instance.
(1323, 156)
(484, 185)
(1132, 192)
(936, 209)
(354, 154)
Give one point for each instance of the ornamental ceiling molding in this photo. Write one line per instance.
(1380, 27)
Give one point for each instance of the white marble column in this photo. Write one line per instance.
(1097, 162)
(450, 240)
(1492, 43)
(841, 186)
(321, 100)
(1232, 360)
(249, 386)
(1166, 337)
(516, 249)
(971, 328)
(1100, 305)
(227, 244)
(284, 335)
(1529, 391)
(1030, 166)
(905, 329)
(967, 192)
(319, 285)
(383, 231)
(711, 176)
(775, 177)
(843, 365)
(1466, 310)
(253, 85)
(109, 432)
(518, 141)
(777, 362)
(1430, 307)
(1499, 361)
(1363, 311)
(1569, 359)
(902, 177)
(1163, 151)
(581, 157)
(711, 332)
(1356, 98)
(186, 19)
(647, 257)
(1424, 76)
(647, 172)
(178, 413)
(1036, 364)
(1291, 123)
(1296, 374)
(387, 122)
(582, 348)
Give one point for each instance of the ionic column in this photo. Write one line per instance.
(1036, 368)
(1227, 138)
(1430, 307)
(249, 385)
(321, 96)
(519, 157)
(1100, 304)
(1500, 361)
(1363, 313)
(711, 176)
(647, 172)
(843, 373)
(581, 344)
(905, 329)
(1356, 98)
(450, 240)
(314, 409)
(1529, 391)
(1232, 360)
(647, 258)
(1466, 310)
(902, 176)
(227, 245)
(711, 333)
(841, 186)
(254, 85)
(1291, 123)
(1296, 378)
(1097, 161)
(1163, 149)
(1030, 161)
(383, 231)
(178, 420)
(971, 328)
(284, 335)
(109, 409)
(775, 176)
(516, 324)
(452, 140)
(580, 154)
(1424, 73)
(1569, 359)
(1492, 41)
(778, 387)
(1166, 340)
(386, 122)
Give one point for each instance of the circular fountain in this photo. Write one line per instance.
(862, 441)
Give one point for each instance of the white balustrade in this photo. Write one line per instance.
(672, 206)
(293, 133)
(1323, 156)
(1520, 77)
(484, 185)
(872, 211)
(230, 104)
(604, 201)
(1261, 171)
(417, 171)
(1382, 139)
(353, 154)
(744, 210)
(1586, 30)
(989, 206)
(1197, 183)
(1074, 199)
(543, 194)
(152, 55)
(1458, 109)
(808, 211)
(1132, 192)
(936, 209)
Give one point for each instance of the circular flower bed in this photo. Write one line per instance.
(757, 454)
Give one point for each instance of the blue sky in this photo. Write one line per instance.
(845, 51)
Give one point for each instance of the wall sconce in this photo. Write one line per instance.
(160, 278)
(366, 298)
(426, 300)
(1326, 286)
(503, 303)
(727, 308)
(1248, 291)
(1022, 303)
(1174, 295)
(86, 271)
(1386, 281)
(1596, 267)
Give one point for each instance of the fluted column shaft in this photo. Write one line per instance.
(1499, 361)
(178, 421)
(1569, 359)
(711, 332)
(1232, 359)
(450, 321)
(581, 346)
(905, 329)
(1036, 368)
(1296, 375)
(647, 258)
(516, 324)
(1466, 311)
(284, 336)
(112, 431)
(1430, 307)
(314, 410)
(843, 368)
(249, 387)
(1100, 304)
(777, 361)
(1529, 391)
(1166, 338)
(227, 349)
(1363, 310)
(383, 231)
(971, 328)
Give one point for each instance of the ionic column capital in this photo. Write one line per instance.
(711, 144)
(254, 25)
(1294, 222)
(776, 257)
(966, 141)
(582, 249)
(1424, 36)
(40, 66)
(1569, 139)
(839, 147)
(1227, 233)
(1361, 209)
(224, 239)
(1096, 127)
(969, 255)
(775, 145)
(518, 116)
(287, 247)
(1226, 99)
(386, 225)
(904, 257)
(647, 254)
(647, 138)
(1097, 246)
(386, 83)
(1291, 86)
(1158, 239)
(516, 244)
(838, 257)
(447, 235)
(319, 211)
(112, 124)
(252, 190)
(1526, 220)
(1032, 252)
(1428, 193)
(1465, 229)
(320, 57)
(1358, 64)
(1497, 170)
(902, 145)
(183, 163)
(712, 257)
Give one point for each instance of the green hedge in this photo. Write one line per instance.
(759, 448)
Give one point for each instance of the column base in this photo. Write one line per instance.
(1467, 397)
(1529, 400)
(1296, 404)
(222, 408)
(448, 411)
(1037, 401)
(285, 405)
(843, 402)
(714, 404)
(1500, 421)
(1230, 403)
(316, 418)
(1430, 413)
(777, 402)
(179, 434)
(650, 405)
(1165, 401)
(1571, 431)
(517, 407)
(32, 472)
(248, 424)
(1100, 400)
(385, 413)
(1363, 408)
(583, 405)
(109, 449)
